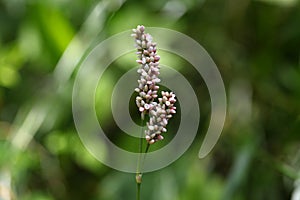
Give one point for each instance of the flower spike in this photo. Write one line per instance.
(159, 112)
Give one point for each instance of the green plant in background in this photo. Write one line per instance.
(159, 112)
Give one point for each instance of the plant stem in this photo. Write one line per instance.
(138, 176)
(138, 191)
(146, 151)
(140, 163)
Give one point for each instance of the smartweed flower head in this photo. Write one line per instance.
(159, 111)
(149, 69)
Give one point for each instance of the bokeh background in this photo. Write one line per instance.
(256, 46)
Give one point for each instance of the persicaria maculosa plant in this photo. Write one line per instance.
(159, 109)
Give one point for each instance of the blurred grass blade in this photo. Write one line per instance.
(22, 135)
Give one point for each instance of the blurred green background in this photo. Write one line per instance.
(255, 44)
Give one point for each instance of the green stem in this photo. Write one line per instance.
(147, 149)
(138, 191)
(138, 176)
(141, 161)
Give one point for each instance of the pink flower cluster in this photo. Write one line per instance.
(149, 69)
(159, 112)
(159, 115)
